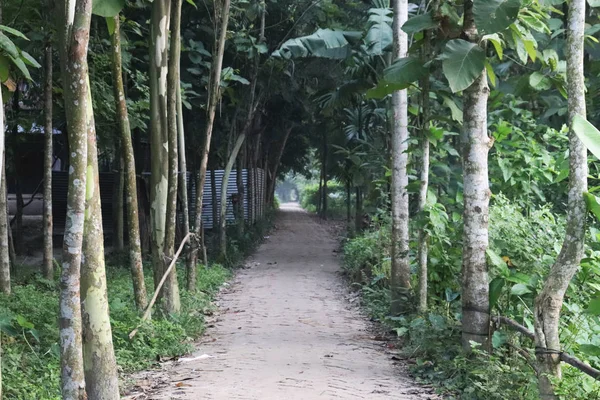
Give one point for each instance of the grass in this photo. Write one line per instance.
(28, 318)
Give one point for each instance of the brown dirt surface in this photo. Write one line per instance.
(286, 331)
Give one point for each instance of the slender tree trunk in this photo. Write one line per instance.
(48, 261)
(224, 183)
(159, 142)
(5, 285)
(239, 178)
(348, 202)
(277, 162)
(133, 224)
(358, 211)
(475, 148)
(400, 277)
(423, 249)
(549, 302)
(172, 302)
(325, 189)
(213, 99)
(74, 29)
(183, 192)
(100, 366)
(214, 199)
(119, 210)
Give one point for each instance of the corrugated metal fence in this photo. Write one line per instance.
(254, 197)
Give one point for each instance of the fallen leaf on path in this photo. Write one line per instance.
(181, 384)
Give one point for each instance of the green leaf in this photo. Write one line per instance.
(593, 204)
(419, 23)
(594, 3)
(110, 25)
(588, 134)
(490, 73)
(493, 16)
(594, 307)
(590, 349)
(192, 3)
(13, 32)
(519, 289)
(4, 68)
(379, 36)
(23, 323)
(499, 339)
(324, 43)
(457, 113)
(107, 8)
(497, 42)
(496, 287)
(404, 71)
(29, 60)
(8, 46)
(539, 81)
(495, 259)
(22, 67)
(463, 62)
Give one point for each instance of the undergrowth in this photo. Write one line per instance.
(31, 364)
(523, 246)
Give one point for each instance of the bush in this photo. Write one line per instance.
(336, 199)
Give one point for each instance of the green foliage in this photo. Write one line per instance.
(462, 63)
(30, 362)
(336, 199)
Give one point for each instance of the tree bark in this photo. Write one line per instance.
(172, 303)
(160, 148)
(549, 302)
(100, 366)
(119, 214)
(213, 99)
(74, 29)
(48, 258)
(239, 179)
(133, 225)
(400, 275)
(183, 193)
(475, 147)
(5, 284)
(423, 246)
(277, 162)
(224, 183)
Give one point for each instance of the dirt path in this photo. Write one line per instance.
(287, 332)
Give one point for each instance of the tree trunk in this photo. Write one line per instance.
(475, 148)
(224, 183)
(277, 162)
(119, 215)
(241, 195)
(172, 301)
(213, 99)
(325, 191)
(214, 199)
(348, 202)
(183, 192)
(5, 285)
(74, 28)
(159, 143)
(133, 225)
(423, 247)
(100, 366)
(400, 275)
(358, 211)
(48, 260)
(549, 302)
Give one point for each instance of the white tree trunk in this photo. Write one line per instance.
(549, 302)
(400, 276)
(475, 144)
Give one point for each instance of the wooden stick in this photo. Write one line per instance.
(160, 285)
(564, 357)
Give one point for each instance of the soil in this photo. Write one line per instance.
(287, 330)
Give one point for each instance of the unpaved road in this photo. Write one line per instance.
(287, 332)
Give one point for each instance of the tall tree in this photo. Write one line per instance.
(173, 87)
(159, 148)
(400, 276)
(214, 94)
(475, 147)
(48, 260)
(549, 301)
(133, 225)
(74, 29)
(5, 263)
